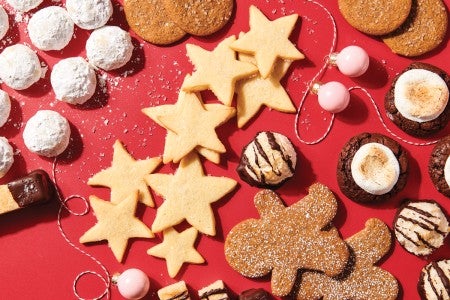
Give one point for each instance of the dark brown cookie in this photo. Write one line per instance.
(345, 178)
(414, 128)
(436, 165)
(434, 280)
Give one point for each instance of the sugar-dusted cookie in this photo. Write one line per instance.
(423, 31)
(286, 239)
(199, 17)
(439, 166)
(362, 279)
(375, 17)
(126, 175)
(268, 40)
(434, 280)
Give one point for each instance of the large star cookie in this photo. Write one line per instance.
(217, 70)
(188, 195)
(268, 40)
(177, 249)
(116, 223)
(126, 175)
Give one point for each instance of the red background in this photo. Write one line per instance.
(37, 263)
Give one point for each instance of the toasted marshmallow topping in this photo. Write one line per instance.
(375, 168)
(420, 95)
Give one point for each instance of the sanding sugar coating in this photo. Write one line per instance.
(109, 48)
(19, 67)
(5, 107)
(47, 133)
(73, 80)
(24, 5)
(89, 14)
(4, 22)
(50, 28)
(6, 156)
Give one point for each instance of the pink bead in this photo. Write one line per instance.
(133, 284)
(352, 61)
(333, 96)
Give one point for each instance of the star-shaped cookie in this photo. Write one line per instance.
(188, 195)
(190, 125)
(217, 70)
(116, 223)
(126, 175)
(268, 40)
(255, 92)
(177, 248)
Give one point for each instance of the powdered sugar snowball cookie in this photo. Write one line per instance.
(47, 133)
(89, 14)
(4, 22)
(19, 67)
(5, 107)
(50, 28)
(73, 80)
(24, 5)
(109, 48)
(6, 156)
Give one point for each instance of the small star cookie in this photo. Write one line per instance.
(116, 223)
(268, 40)
(188, 195)
(126, 175)
(217, 70)
(177, 249)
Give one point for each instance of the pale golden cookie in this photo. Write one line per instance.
(126, 175)
(217, 70)
(375, 17)
(188, 195)
(268, 40)
(175, 291)
(255, 92)
(423, 31)
(116, 223)
(362, 279)
(177, 249)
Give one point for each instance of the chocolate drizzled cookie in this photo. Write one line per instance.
(434, 280)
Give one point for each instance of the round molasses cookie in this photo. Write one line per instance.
(439, 166)
(417, 101)
(434, 280)
(372, 168)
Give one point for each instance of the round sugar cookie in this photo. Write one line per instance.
(24, 5)
(199, 17)
(89, 14)
(6, 156)
(423, 31)
(19, 67)
(4, 22)
(5, 107)
(149, 20)
(375, 17)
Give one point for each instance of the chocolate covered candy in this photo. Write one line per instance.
(255, 294)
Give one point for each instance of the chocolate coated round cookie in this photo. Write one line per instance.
(439, 166)
(372, 168)
(417, 101)
(434, 280)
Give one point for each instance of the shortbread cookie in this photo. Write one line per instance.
(372, 168)
(19, 67)
(175, 291)
(417, 101)
(286, 239)
(434, 280)
(268, 40)
(255, 294)
(421, 226)
(24, 5)
(361, 279)
(116, 223)
(423, 31)
(89, 14)
(50, 28)
(439, 166)
(126, 175)
(217, 70)
(4, 22)
(214, 291)
(268, 160)
(199, 17)
(375, 17)
(6, 156)
(73, 80)
(47, 133)
(109, 48)
(188, 195)
(149, 20)
(177, 249)
(5, 107)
